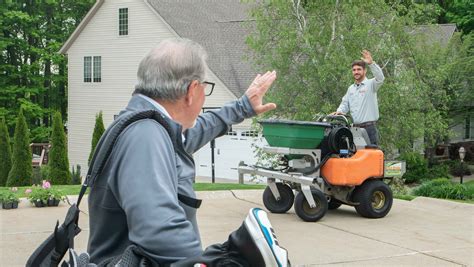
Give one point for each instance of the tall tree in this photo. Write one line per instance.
(33, 74)
(311, 45)
(21, 170)
(99, 129)
(5, 153)
(58, 160)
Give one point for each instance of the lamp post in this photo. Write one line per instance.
(462, 153)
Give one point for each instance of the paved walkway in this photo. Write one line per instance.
(422, 232)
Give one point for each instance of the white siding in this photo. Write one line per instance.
(120, 58)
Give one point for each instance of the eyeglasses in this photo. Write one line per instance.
(208, 89)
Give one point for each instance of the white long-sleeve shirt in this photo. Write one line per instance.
(361, 99)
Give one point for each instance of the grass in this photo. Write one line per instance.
(404, 197)
(74, 189)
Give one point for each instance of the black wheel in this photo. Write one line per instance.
(375, 199)
(334, 204)
(279, 206)
(305, 212)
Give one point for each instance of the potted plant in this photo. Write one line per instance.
(39, 197)
(54, 196)
(9, 200)
(45, 195)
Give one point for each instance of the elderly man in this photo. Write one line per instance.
(135, 200)
(361, 97)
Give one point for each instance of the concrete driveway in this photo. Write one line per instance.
(422, 232)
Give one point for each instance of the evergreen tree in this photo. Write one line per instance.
(5, 153)
(58, 160)
(98, 131)
(21, 171)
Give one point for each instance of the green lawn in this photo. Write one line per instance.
(74, 189)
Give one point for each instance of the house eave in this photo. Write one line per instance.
(81, 26)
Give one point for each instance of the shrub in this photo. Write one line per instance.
(5, 153)
(58, 160)
(76, 175)
(443, 188)
(416, 167)
(398, 186)
(438, 170)
(21, 171)
(45, 171)
(458, 169)
(99, 129)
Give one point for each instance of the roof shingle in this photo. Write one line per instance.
(221, 27)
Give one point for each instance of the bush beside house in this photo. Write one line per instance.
(21, 170)
(99, 129)
(444, 188)
(58, 160)
(5, 153)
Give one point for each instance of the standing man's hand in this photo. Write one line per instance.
(367, 57)
(257, 90)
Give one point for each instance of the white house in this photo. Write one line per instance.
(106, 48)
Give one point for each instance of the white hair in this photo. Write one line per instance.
(169, 68)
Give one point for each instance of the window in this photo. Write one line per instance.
(87, 69)
(97, 69)
(467, 132)
(234, 133)
(123, 21)
(250, 133)
(92, 69)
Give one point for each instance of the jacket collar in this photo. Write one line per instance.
(364, 81)
(138, 103)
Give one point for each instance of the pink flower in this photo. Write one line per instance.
(46, 184)
(14, 189)
(27, 191)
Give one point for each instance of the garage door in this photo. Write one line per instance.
(229, 150)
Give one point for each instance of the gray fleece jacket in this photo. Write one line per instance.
(135, 198)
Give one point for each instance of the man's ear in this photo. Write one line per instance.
(191, 92)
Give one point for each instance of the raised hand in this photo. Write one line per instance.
(257, 90)
(366, 57)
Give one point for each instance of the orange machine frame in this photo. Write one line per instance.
(366, 163)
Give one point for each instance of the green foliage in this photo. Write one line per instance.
(461, 12)
(34, 74)
(312, 44)
(398, 186)
(45, 171)
(99, 129)
(21, 170)
(76, 175)
(438, 170)
(58, 159)
(443, 188)
(9, 197)
(457, 168)
(5, 153)
(416, 167)
(38, 194)
(45, 192)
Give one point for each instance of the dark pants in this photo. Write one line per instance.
(373, 134)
